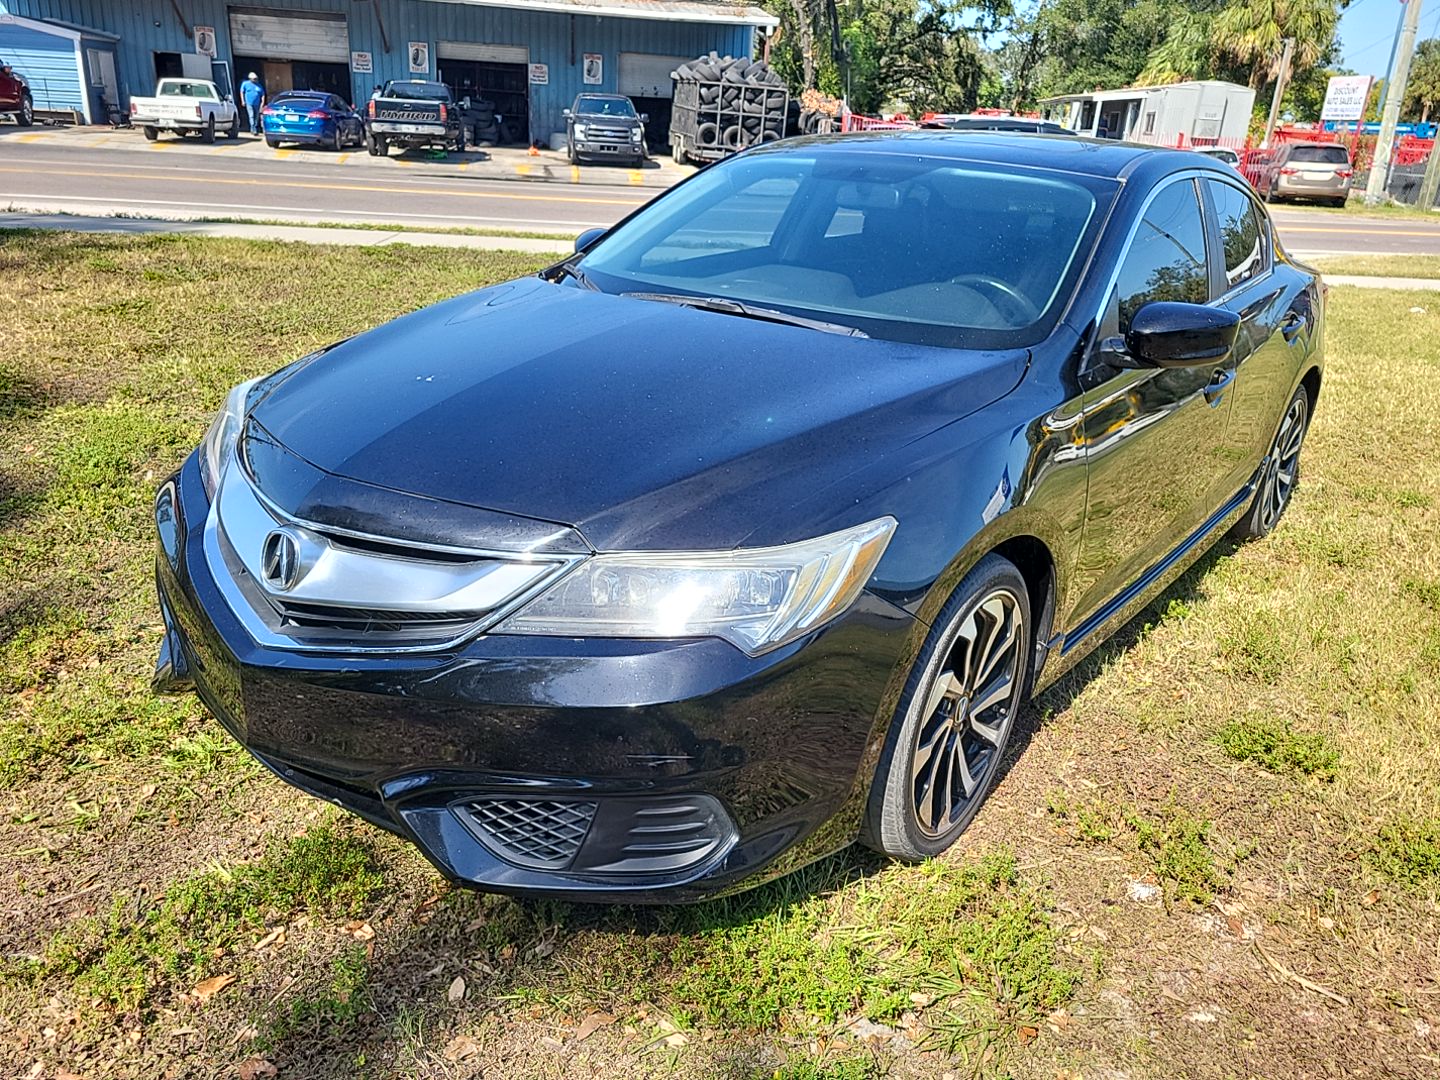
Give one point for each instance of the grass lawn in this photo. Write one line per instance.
(1216, 852)
(1409, 266)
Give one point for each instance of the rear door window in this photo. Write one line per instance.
(1166, 260)
(1242, 239)
(1320, 155)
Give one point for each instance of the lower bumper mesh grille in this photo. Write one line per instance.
(536, 833)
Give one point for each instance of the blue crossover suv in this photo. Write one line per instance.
(745, 532)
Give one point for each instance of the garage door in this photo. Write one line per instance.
(485, 54)
(320, 37)
(647, 75)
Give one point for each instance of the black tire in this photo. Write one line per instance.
(459, 144)
(918, 775)
(151, 133)
(333, 143)
(233, 131)
(377, 147)
(272, 142)
(1274, 491)
(1339, 204)
(677, 153)
(207, 133)
(26, 116)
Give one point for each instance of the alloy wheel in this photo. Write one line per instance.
(1284, 468)
(968, 714)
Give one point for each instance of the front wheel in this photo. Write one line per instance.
(26, 116)
(233, 131)
(1280, 472)
(955, 716)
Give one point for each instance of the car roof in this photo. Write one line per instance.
(1066, 153)
(607, 97)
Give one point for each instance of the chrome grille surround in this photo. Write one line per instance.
(539, 834)
(358, 592)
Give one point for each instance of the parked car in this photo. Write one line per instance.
(311, 118)
(751, 526)
(1221, 154)
(981, 122)
(604, 127)
(186, 106)
(15, 98)
(1307, 171)
(411, 114)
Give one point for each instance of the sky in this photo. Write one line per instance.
(1367, 32)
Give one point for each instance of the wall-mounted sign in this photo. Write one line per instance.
(205, 41)
(362, 63)
(1345, 97)
(594, 69)
(539, 74)
(419, 57)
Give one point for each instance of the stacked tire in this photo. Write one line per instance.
(484, 128)
(739, 102)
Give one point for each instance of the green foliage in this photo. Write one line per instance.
(1422, 91)
(1271, 744)
(135, 950)
(1177, 845)
(856, 1068)
(1409, 851)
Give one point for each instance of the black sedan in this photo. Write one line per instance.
(745, 532)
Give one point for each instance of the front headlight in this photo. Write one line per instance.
(579, 131)
(220, 439)
(757, 599)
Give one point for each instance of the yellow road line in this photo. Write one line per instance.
(387, 189)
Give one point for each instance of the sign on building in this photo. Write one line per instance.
(539, 74)
(594, 69)
(419, 57)
(205, 41)
(1345, 97)
(362, 63)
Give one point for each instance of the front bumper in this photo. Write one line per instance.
(775, 752)
(620, 150)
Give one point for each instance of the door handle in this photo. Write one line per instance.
(1222, 378)
(1292, 325)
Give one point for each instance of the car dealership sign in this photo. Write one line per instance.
(1345, 97)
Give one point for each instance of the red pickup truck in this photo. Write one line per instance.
(15, 96)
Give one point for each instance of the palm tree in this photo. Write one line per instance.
(1422, 92)
(1253, 32)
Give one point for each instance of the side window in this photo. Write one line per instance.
(1166, 260)
(1240, 235)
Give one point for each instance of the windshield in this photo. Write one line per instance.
(299, 101)
(927, 250)
(605, 107)
(187, 89)
(418, 91)
(1327, 155)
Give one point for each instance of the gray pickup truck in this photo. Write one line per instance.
(412, 114)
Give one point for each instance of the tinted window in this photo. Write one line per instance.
(909, 248)
(1326, 155)
(606, 107)
(418, 91)
(1166, 260)
(1240, 234)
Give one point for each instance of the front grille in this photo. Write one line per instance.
(371, 620)
(605, 134)
(536, 833)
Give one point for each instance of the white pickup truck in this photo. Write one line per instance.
(184, 105)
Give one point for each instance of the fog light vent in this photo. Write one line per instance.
(540, 834)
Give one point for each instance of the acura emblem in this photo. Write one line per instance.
(280, 560)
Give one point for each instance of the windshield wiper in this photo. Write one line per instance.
(725, 306)
(570, 268)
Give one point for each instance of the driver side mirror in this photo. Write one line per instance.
(1167, 334)
(565, 113)
(644, 118)
(588, 237)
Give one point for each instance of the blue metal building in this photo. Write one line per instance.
(530, 56)
(70, 68)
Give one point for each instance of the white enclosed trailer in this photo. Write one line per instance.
(1198, 113)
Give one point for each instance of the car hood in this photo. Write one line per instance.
(640, 424)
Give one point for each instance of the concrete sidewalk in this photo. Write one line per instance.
(488, 163)
(306, 234)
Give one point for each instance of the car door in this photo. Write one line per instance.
(9, 88)
(1274, 321)
(1156, 439)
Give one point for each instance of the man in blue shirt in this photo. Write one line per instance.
(253, 95)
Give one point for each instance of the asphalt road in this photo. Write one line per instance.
(54, 176)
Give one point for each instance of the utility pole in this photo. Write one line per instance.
(1280, 82)
(1394, 96)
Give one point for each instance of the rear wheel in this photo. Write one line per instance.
(378, 147)
(955, 717)
(677, 154)
(1339, 203)
(273, 143)
(1280, 473)
(151, 133)
(333, 143)
(207, 134)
